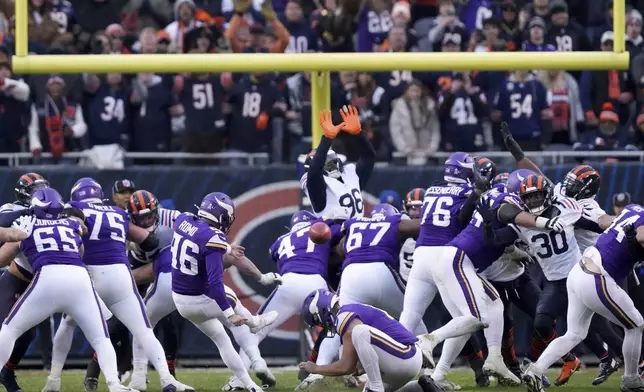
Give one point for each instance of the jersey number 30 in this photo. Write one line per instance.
(551, 244)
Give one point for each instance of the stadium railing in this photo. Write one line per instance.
(549, 158)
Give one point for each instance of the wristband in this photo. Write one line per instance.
(541, 222)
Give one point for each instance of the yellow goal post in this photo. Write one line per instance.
(319, 64)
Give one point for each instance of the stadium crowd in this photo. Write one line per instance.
(411, 113)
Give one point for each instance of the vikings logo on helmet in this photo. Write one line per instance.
(458, 168)
(87, 189)
(47, 204)
(384, 209)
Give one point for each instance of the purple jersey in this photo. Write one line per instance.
(107, 227)
(294, 252)
(53, 242)
(616, 258)
(440, 210)
(472, 239)
(372, 240)
(197, 259)
(163, 261)
(403, 345)
(372, 29)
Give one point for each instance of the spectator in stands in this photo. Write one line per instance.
(598, 87)
(14, 110)
(335, 37)
(73, 89)
(303, 38)
(522, 101)
(8, 39)
(275, 37)
(621, 200)
(461, 109)
(639, 129)
(395, 82)
(96, 15)
(492, 41)
(253, 103)
(510, 31)
(114, 34)
(57, 125)
(534, 8)
(163, 42)
(108, 109)
(446, 22)
(564, 34)
(536, 41)
(567, 110)
(42, 28)
(634, 40)
(184, 20)
(369, 97)
(374, 24)
(414, 125)
(608, 135)
(299, 100)
(64, 15)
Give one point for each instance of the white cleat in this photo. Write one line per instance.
(495, 367)
(427, 344)
(254, 388)
(123, 377)
(311, 379)
(121, 388)
(262, 321)
(139, 382)
(447, 384)
(233, 384)
(532, 381)
(264, 374)
(52, 385)
(172, 385)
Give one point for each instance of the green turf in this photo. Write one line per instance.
(205, 380)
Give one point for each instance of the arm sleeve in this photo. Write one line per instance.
(34, 130)
(315, 185)
(587, 224)
(507, 213)
(215, 271)
(465, 215)
(445, 106)
(80, 127)
(7, 218)
(367, 160)
(504, 236)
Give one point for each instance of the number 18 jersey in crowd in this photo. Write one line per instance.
(54, 241)
(343, 198)
(441, 206)
(107, 227)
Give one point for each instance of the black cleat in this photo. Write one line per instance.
(482, 380)
(9, 381)
(605, 371)
(91, 384)
(428, 385)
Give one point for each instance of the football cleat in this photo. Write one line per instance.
(311, 379)
(494, 366)
(261, 321)
(233, 384)
(568, 369)
(138, 382)
(632, 384)
(9, 381)
(121, 388)
(52, 385)
(605, 370)
(264, 374)
(427, 344)
(532, 381)
(90, 384)
(447, 385)
(172, 385)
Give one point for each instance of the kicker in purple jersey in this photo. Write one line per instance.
(163, 261)
(197, 259)
(372, 240)
(107, 227)
(472, 239)
(295, 253)
(381, 321)
(52, 242)
(441, 206)
(613, 246)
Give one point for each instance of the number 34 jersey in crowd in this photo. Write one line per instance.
(343, 198)
(441, 207)
(53, 242)
(556, 252)
(107, 227)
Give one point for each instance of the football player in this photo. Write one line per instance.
(15, 280)
(106, 259)
(593, 288)
(334, 188)
(52, 246)
(371, 338)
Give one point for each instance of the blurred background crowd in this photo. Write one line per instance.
(407, 115)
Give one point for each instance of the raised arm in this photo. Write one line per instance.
(517, 152)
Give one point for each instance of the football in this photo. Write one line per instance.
(320, 233)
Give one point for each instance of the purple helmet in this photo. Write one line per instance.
(458, 168)
(218, 208)
(515, 178)
(301, 217)
(384, 209)
(46, 203)
(317, 309)
(87, 189)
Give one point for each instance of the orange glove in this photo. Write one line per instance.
(351, 120)
(330, 130)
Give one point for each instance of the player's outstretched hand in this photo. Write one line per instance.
(308, 366)
(25, 223)
(237, 251)
(505, 132)
(330, 130)
(351, 119)
(242, 6)
(237, 320)
(270, 278)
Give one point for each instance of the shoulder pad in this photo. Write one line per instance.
(568, 204)
(219, 240)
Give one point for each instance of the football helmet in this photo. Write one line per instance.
(317, 309)
(47, 203)
(536, 193)
(459, 168)
(582, 182)
(301, 219)
(143, 209)
(333, 165)
(384, 209)
(515, 178)
(27, 184)
(87, 189)
(218, 209)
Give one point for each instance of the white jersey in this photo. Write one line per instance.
(503, 270)
(167, 217)
(406, 258)
(20, 259)
(590, 210)
(343, 198)
(556, 252)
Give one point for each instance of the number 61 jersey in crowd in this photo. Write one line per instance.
(556, 252)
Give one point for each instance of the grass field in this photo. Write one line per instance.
(206, 380)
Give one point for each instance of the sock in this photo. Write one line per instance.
(539, 344)
(494, 332)
(557, 349)
(458, 326)
(507, 348)
(451, 349)
(107, 360)
(631, 348)
(361, 337)
(154, 351)
(21, 347)
(247, 341)
(93, 370)
(62, 345)
(172, 366)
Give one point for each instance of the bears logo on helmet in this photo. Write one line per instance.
(582, 182)
(27, 184)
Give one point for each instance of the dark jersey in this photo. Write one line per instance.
(372, 240)
(521, 105)
(373, 28)
(152, 127)
(54, 241)
(303, 38)
(202, 100)
(461, 126)
(109, 115)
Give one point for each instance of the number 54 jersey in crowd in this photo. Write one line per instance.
(194, 243)
(107, 227)
(372, 240)
(556, 252)
(616, 258)
(441, 207)
(53, 242)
